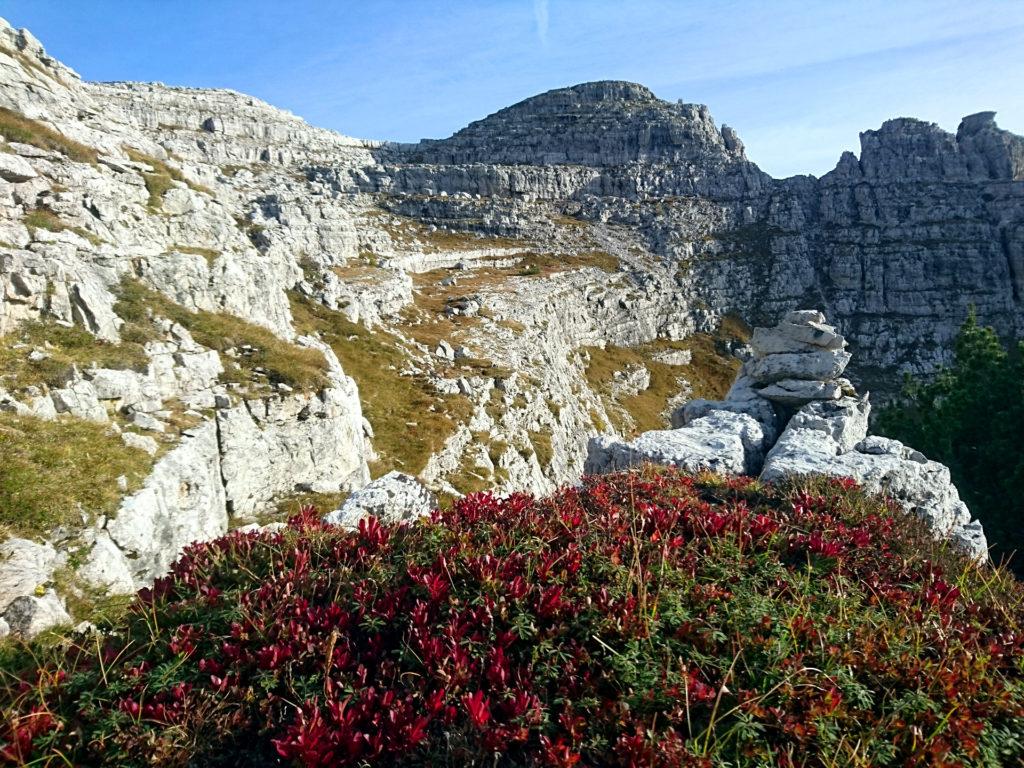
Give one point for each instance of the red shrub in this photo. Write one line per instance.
(648, 619)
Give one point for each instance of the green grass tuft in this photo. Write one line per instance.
(43, 218)
(161, 178)
(54, 472)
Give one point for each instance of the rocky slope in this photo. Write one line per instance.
(274, 309)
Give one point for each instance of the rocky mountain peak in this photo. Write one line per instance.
(599, 92)
(603, 123)
(915, 150)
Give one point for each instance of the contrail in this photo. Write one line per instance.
(540, 15)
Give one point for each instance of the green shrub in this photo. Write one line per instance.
(971, 418)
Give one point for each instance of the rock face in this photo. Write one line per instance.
(820, 436)
(597, 124)
(721, 441)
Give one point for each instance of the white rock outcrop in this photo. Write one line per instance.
(25, 568)
(721, 441)
(393, 498)
(826, 432)
(182, 501)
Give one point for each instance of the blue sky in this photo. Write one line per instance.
(798, 80)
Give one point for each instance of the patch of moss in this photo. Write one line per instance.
(89, 603)
(470, 478)
(64, 347)
(281, 362)
(42, 218)
(16, 127)
(496, 450)
(406, 430)
(55, 471)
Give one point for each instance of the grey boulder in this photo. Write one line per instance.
(798, 392)
(29, 615)
(393, 498)
(15, 169)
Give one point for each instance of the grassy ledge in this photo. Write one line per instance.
(160, 179)
(17, 127)
(55, 472)
(64, 347)
(281, 361)
(43, 218)
(710, 373)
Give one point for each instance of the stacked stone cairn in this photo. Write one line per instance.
(790, 413)
(799, 361)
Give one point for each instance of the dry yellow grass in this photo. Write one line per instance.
(710, 373)
(207, 253)
(17, 127)
(403, 230)
(406, 430)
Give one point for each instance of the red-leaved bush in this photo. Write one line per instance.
(641, 619)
